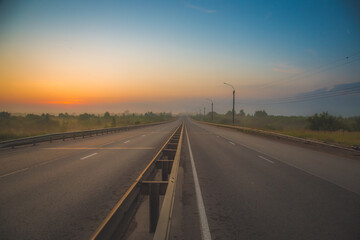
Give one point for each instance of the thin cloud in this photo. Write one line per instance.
(200, 8)
(284, 68)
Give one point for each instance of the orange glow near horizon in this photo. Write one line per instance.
(28, 83)
(63, 102)
(46, 75)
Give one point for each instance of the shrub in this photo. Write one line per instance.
(324, 122)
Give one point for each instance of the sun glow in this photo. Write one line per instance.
(63, 102)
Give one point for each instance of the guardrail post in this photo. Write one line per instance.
(34, 142)
(51, 139)
(154, 206)
(165, 171)
(83, 135)
(63, 137)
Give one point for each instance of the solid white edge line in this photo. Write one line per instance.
(205, 231)
(127, 141)
(88, 156)
(264, 158)
(231, 143)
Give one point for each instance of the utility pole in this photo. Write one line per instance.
(233, 111)
(212, 109)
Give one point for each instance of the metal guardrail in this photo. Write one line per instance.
(63, 136)
(167, 160)
(164, 223)
(281, 136)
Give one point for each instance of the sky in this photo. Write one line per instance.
(140, 55)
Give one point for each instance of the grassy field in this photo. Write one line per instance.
(297, 126)
(12, 127)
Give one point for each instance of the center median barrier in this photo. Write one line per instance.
(62, 136)
(167, 161)
(283, 137)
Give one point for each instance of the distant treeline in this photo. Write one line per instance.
(261, 120)
(12, 126)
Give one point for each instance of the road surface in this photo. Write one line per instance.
(64, 190)
(258, 188)
(232, 186)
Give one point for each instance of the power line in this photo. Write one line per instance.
(315, 94)
(322, 68)
(310, 97)
(328, 68)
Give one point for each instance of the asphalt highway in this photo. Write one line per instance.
(253, 187)
(231, 186)
(64, 189)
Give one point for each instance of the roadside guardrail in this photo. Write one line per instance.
(167, 161)
(62, 136)
(282, 136)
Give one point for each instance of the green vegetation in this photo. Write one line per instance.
(12, 127)
(323, 127)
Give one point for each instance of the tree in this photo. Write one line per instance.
(260, 114)
(85, 116)
(4, 115)
(63, 115)
(242, 113)
(229, 113)
(107, 115)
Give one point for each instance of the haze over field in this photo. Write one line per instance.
(287, 57)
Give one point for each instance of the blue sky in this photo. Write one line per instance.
(189, 46)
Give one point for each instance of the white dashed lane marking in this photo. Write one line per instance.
(264, 158)
(88, 156)
(8, 174)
